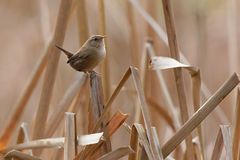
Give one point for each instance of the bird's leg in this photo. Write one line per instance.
(94, 72)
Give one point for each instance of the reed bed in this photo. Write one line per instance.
(150, 100)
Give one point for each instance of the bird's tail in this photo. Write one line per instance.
(67, 53)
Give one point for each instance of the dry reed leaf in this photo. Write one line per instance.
(134, 144)
(164, 114)
(23, 135)
(201, 114)
(64, 104)
(217, 150)
(174, 52)
(223, 139)
(70, 142)
(50, 74)
(136, 79)
(142, 139)
(156, 140)
(227, 140)
(145, 111)
(163, 36)
(13, 154)
(114, 123)
(111, 99)
(116, 154)
(170, 63)
(159, 62)
(236, 133)
(54, 142)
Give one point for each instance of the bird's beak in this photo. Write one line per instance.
(104, 36)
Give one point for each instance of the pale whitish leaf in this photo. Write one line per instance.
(168, 63)
(90, 139)
(55, 142)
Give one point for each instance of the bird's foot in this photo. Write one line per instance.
(94, 73)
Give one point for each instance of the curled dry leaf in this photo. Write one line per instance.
(13, 154)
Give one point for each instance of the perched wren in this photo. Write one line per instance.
(88, 56)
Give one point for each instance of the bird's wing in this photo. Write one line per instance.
(69, 54)
(78, 57)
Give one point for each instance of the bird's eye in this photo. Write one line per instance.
(95, 39)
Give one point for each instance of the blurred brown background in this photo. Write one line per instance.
(207, 33)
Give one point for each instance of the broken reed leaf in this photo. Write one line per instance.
(112, 126)
(22, 101)
(142, 138)
(201, 114)
(145, 111)
(161, 63)
(218, 146)
(111, 99)
(70, 142)
(136, 79)
(156, 140)
(223, 139)
(116, 121)
(236, 132)
(134, 144)
(14, 154)
(64, 104)
(116, 154)
(54, 142)
(163, 36)
(162, 112)
(51, 70)
(23, 135)
(227, 140)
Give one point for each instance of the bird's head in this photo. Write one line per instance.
(96, 41)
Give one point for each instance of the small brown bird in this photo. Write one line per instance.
(88, 56)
